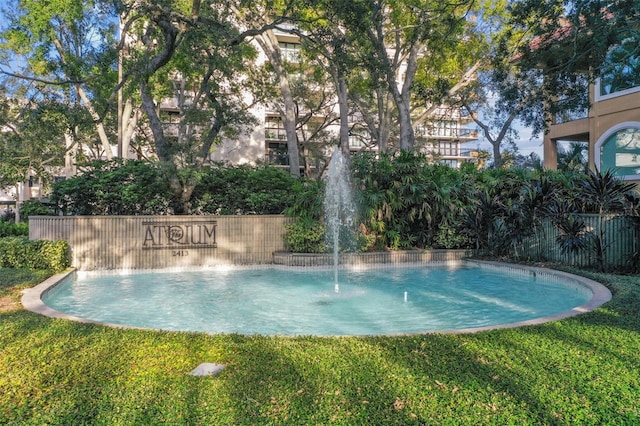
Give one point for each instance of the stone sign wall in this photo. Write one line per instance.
(150, 242)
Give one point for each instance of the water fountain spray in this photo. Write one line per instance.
(339, 207)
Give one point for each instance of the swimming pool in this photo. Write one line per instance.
(283, 301)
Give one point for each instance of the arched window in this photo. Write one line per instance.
(619, 150)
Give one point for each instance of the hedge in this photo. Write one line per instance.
(10, 229)
(20, 252)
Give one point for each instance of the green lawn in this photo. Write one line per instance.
(582, 370)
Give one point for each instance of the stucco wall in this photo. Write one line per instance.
(149, 242)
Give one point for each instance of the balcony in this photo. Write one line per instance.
(469, 134)
(469, 154)
(171, 129)
(275, 134)
(462, 135)
(173, 103)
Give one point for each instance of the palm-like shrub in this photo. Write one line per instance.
(603, 192)
(406, 201)
(572, 237)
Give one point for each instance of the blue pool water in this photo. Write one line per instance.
(292, 302)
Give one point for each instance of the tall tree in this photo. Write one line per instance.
(50, 46)
(196, 55)
(267, 14)
(287, 108)
(32, 142)
(504, 91)
(495, 101)
(400, 33)
(325, 36)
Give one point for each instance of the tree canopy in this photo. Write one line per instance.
(103, 69)
(571, 44)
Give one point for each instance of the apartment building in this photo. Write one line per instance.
(442, 136)
(611, 125)
(611, 128)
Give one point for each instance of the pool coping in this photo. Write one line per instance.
(32, 299)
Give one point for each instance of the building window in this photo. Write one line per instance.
(451, 163)
(170, 123)
(443, 128)
(277, 154)
(290, 51)
(275, 141)
(618, 150)
(436, 129)
(448, 149)
(359, 139)
(274, 129)
(169, 117)
(621, 72)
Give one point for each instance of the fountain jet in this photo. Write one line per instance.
(339, 208)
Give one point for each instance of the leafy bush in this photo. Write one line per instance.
(10, 229)
(20, 252)
(131, 187)
(33, 208)
(243, 190)
(305, 236)
(8, 215)
(450, 238)
(308, 199)
(116, 187)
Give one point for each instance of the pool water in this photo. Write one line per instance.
(276, 301)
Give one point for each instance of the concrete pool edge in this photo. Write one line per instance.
(32, 299)
(600, 295)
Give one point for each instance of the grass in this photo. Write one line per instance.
(582, 370)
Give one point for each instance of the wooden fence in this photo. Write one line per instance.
(620, 236)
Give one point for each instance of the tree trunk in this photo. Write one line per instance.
(384, 118)
(497, 155)
(402, 98)
(180, 191)
(104, 139)
(69, 154)
(407, 135)
(129, 126)
(162, 145)
(269, 45)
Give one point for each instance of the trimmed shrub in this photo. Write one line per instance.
(10, 229)
(244, 190)
(20, 252)
(116, 187)
(33, 208)
(305, 236)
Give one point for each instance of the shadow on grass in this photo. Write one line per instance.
(63, 372)
(577, 369)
